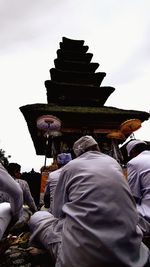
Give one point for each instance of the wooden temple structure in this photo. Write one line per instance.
(76, 106)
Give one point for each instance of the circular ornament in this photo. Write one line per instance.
(48, 123)
(116, 135)
(130, 126)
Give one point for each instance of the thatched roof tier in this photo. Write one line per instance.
(77, 77)
(72, 43)
(75, 121)
(74, 56)
(66, 47)
(77, 94)
(67, 65)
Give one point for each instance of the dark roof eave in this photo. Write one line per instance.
(41, 109)
(77, 117)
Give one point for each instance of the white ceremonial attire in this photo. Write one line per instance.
(100, 218)
(45, 232)
(27, 197)
(5, 217)
(13, 191)
(44, 227)
(52, 180)
(138, 170)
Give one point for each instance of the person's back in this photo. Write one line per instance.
(28, 199)
(100, 226)
(141, 163)
(138, 169)
(50, 187)
(53, 177)
(14, 169)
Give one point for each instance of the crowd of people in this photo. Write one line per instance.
(93, 216)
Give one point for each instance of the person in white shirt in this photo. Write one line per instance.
(138, 176)
(53, 177)
(14, 169)
(12, 211)
(95, 205)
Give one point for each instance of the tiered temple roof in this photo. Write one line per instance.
(75, 96)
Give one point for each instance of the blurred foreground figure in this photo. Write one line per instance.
(9, 211)
(94, 203)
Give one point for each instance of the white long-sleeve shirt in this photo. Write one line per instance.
(138, 170)
(13, 190)
(52, 181)
(27, 197)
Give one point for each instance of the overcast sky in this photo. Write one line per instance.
(117, 33)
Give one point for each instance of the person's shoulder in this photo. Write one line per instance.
(108, 158)
(54, 173)
(136, 160)
(146, 152)
(69, 165)
(21, 181)
(143, 156)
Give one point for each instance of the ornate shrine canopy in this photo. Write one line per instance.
(77, 120)
(76, 99)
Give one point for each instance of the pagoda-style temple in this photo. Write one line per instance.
(76, 106)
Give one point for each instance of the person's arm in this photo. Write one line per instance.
(60, 196)
(12, 188)
(28, 199)
(134, 181)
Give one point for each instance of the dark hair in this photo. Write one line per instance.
(12, 168)
(139, 148)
